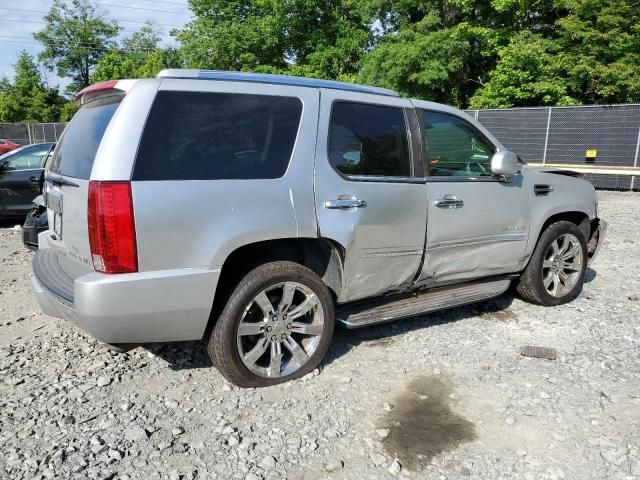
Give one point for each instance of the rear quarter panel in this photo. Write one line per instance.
(198, 223)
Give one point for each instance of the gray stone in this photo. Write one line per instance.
(135, 434)
(334, 465)
(103, 381)
(377, 459)
(115, 454)
(267, 463)
(395, 467)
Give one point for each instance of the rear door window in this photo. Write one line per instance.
(211, 135)
(369, 140)
(79, 144)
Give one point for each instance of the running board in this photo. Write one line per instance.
(372, 312)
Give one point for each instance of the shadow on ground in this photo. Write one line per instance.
(4, 223)
(192, 355)
(590, 275)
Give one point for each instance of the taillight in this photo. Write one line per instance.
(112, 229)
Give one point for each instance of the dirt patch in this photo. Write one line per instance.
(498, 309)
(501, 315)
(422, 425)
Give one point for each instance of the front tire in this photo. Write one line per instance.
(555, 273)
(276, 326)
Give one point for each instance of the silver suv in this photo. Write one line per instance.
(256, 211)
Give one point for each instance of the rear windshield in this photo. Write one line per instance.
(209, 136)
(78, 146)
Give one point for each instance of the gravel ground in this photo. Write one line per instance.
(441, 396)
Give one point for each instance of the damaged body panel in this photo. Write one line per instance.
(486, 236)
(378, 220)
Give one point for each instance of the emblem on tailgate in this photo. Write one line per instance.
(73, 252)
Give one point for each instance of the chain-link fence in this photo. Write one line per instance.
(539, 134)
(26, 133)
(594, 134)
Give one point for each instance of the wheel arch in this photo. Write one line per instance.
(579, 217)
(322, 256)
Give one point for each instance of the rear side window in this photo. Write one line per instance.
(369, 140)
(78, 146)
(209, 136)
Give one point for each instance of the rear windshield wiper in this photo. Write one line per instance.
(59, 181)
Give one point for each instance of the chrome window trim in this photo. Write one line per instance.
(385, 179)
(405, 179)
(452, 179)
(25, 169)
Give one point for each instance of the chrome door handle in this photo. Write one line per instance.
(345, 204)
(449, 201)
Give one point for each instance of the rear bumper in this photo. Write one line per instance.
(598, 234)
(145, 307)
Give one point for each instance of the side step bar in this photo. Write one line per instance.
(362, 314)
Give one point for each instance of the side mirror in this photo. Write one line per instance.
(352, 158)
(505, 163)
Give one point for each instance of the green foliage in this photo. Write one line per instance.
(75, 37)
(138, 57)
(420, 61)
(67, 111)
(302, 37)
(482, 53)
(591, 55)
(27, 99)
(529, 72)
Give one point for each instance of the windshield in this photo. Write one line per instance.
(10, 154)
(77, 148)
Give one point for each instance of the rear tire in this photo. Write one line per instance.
(276, 326)
(555, 273)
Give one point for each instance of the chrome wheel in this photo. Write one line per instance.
(562, 265)
(280, 329)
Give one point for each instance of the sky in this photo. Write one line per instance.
(19, 20)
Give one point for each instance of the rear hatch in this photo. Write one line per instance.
(67, 181)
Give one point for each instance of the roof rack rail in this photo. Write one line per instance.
(272, 79)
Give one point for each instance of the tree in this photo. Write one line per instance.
(75, 38)
(303, 37)
(233, 35)
(139, 56)
(420, 61)
(600, 44)
(529, 72)
(591, 55)
(27, 99)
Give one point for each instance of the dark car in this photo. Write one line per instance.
(21, 178)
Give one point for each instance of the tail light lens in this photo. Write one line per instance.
(112, 229)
